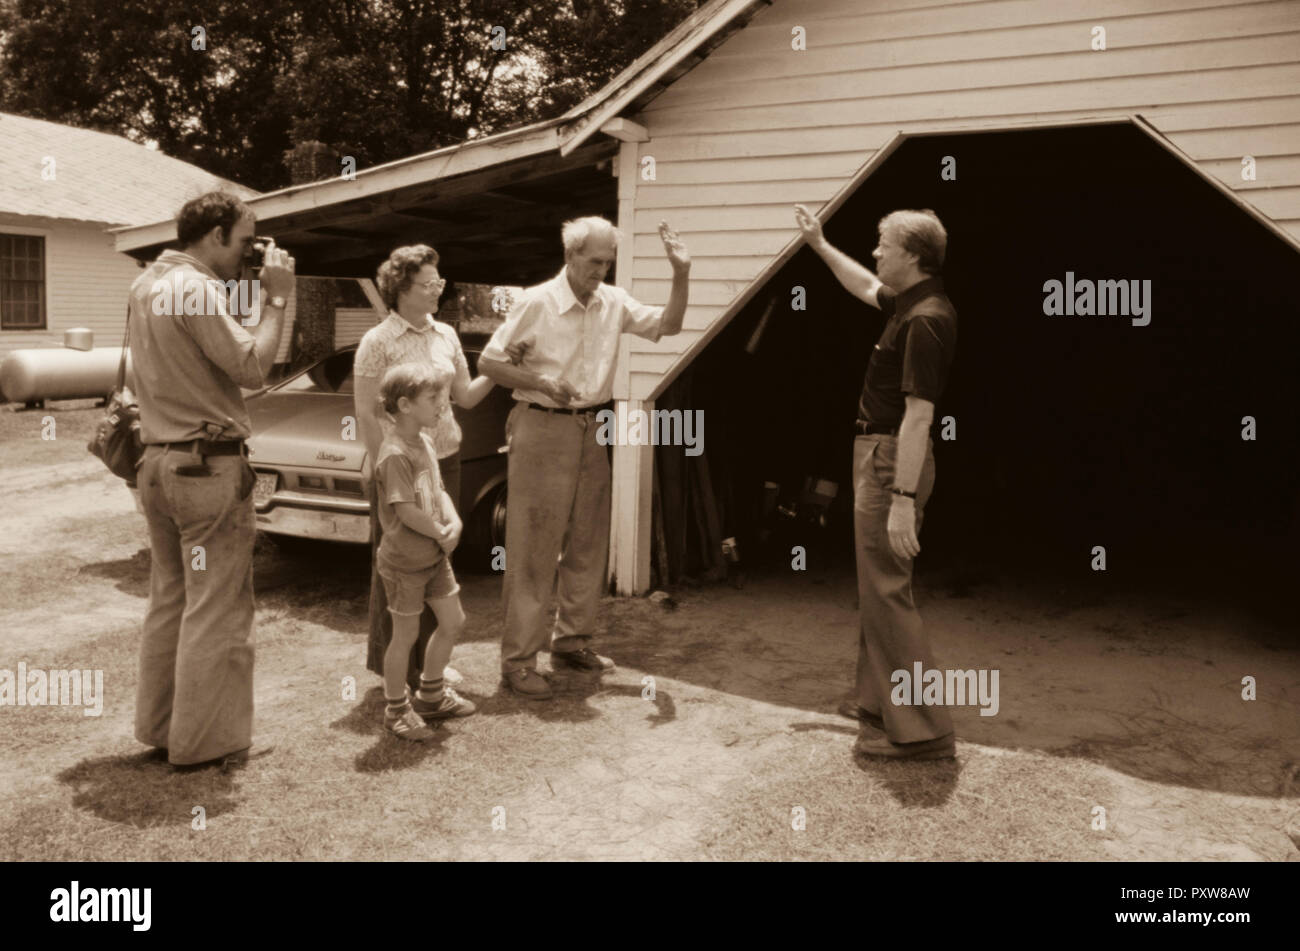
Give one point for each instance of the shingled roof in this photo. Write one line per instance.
(98, 176)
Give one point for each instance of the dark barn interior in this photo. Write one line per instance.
(1072, 431)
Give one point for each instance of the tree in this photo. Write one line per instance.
(232, 85)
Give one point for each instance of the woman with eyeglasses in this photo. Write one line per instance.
(410, 285)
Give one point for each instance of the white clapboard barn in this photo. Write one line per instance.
(1071, 140)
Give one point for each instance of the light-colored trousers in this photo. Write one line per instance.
(195, 692)
(557, 533)
(890, 634)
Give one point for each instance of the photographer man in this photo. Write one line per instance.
(194, 702)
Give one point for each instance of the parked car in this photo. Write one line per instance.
(309, 481)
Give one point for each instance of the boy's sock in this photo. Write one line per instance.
(396, 707)
(430, 690)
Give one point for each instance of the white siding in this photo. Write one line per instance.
(350, 325)
(758, 126)
(86, 282)
(286, 335)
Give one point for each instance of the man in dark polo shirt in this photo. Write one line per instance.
(190, 355)
(893, 472)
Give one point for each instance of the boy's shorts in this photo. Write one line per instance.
(408, 590)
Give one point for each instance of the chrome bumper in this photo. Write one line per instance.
(325, 524)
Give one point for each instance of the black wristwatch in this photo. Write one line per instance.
(903, 492)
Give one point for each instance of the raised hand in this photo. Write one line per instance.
(809, 225)
(678, 256)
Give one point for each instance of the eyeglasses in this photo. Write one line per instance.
(437, 282)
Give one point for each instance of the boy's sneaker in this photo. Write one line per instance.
(452, 704)
(407, 725)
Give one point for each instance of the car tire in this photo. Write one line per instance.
(486, 529)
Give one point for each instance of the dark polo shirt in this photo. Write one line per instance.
(914, 352)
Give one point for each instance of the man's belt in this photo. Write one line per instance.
(871, 429)
(208, 447)
(575, 410)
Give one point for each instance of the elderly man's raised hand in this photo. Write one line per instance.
(678, 256)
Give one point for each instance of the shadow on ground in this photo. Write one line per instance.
(141, 790)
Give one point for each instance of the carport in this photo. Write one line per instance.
(492, 207)
(1070, 431)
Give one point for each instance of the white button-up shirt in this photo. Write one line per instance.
(576, 344)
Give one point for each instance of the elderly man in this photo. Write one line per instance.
(559, 473)
(194, 700)
(893, 471)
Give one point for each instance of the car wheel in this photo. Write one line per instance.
(497, 518)
(486, 529)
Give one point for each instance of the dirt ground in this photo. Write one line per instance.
(1131, 703)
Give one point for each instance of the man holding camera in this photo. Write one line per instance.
(190, 356)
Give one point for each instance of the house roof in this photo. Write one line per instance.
(394, 184)
(97, 176)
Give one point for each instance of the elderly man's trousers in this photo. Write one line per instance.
(890, 636)
(557, 533)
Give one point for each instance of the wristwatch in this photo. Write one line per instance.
(903, 492)
(277, 302)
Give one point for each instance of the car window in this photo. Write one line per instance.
(331, 375)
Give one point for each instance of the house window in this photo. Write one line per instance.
(22, 282)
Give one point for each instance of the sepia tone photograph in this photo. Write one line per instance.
(651, 431)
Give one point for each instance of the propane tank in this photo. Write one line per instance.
(61, 374)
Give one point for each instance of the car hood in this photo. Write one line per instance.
(304, 429)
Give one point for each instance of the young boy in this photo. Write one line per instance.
(421, 530)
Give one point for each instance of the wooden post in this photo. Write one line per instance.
(630, 526)
(312, 335)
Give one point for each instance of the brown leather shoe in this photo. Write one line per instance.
(236, 760)
(943, 747)
(241, 758)
(528, 683)
(849, 708)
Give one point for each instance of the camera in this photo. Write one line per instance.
(256, 256)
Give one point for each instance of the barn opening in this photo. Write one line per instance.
(1071, 432)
